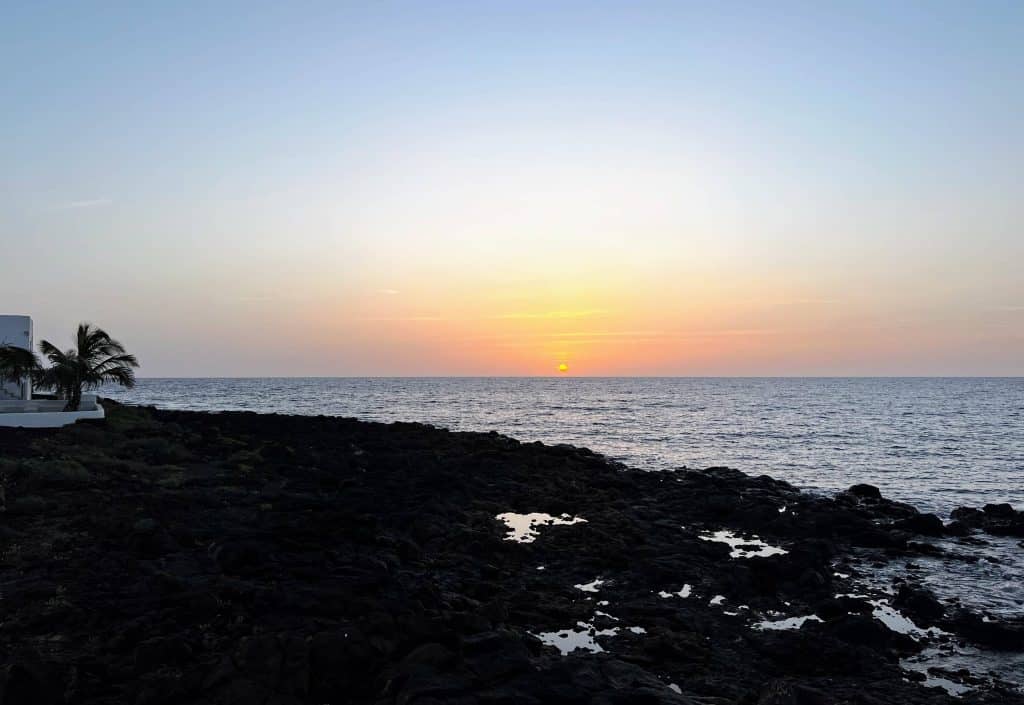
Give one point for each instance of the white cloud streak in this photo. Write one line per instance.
(85, 203)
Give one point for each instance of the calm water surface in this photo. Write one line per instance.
(938, 443)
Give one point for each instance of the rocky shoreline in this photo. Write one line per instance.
(167, 557)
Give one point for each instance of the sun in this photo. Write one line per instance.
(563, 367)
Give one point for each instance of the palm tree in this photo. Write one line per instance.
(17, 364)
(96, 359)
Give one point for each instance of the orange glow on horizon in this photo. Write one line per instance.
(610, 323)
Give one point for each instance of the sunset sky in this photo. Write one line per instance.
(495, 188)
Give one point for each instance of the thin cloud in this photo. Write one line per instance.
(807, 302)
(86, 203)
(389, 292)
(567, 334)
(727, 332)
(578, 341)
(627, 335)
(1009, 309)
(586, 313)
(607, 334)
(403, 318)
(268, 298)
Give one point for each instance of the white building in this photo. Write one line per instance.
(16, 331)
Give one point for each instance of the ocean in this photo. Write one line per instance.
(937, 443)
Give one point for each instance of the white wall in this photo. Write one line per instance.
(16, 331)
(41, 413)
(49, 419)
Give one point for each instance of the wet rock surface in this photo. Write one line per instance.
(174, 557)
(995, 519)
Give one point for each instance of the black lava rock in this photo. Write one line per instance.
(865, 491)
(175, 557)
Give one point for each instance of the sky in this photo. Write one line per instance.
(498, 188)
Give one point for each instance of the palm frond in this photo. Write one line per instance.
(124, 360)
(53, 353)
(96, 359)
(17, 363)
(123, 376)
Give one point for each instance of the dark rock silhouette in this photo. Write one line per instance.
(995, 519)
(174, 557)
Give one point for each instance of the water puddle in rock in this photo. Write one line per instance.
(955, 668)
(584, 637)
(897, 622)
(522, 527)
(949, 663)
(585, 634)
(685, 592)
(988, 580)
(788, 623)
(752, 547)
(593, 586)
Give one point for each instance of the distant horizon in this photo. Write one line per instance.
(568, 376)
